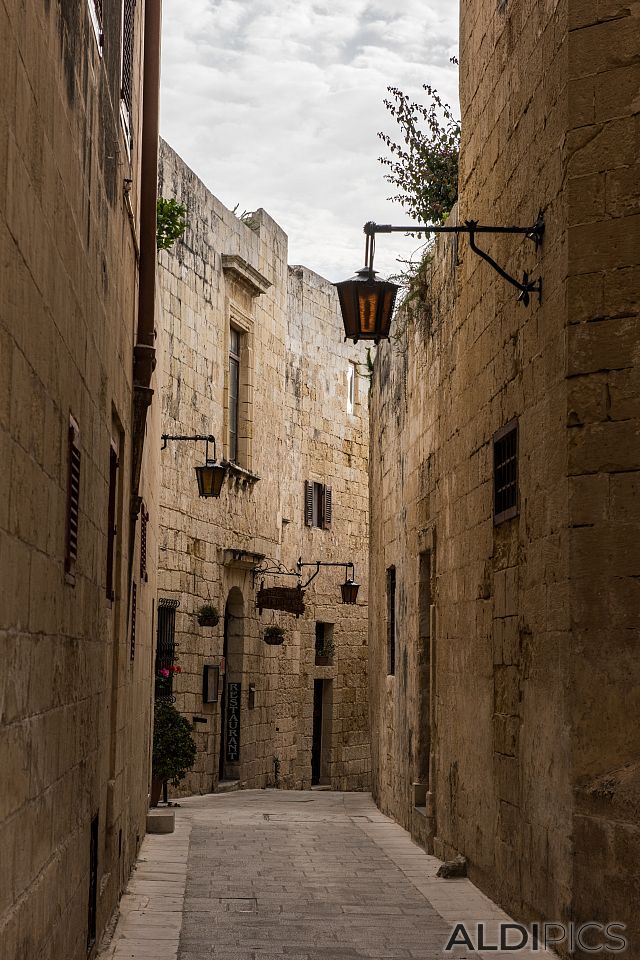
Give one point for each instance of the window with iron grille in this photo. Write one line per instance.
(111, 520)
(134, 610)
(505, 473)
(391, 621)
(318, 505)
(126, 86)
(166, 649)
(92, 912)
(144, 519)
(95, 11)
(73, 501)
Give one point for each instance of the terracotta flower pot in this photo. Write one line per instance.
(156, 792)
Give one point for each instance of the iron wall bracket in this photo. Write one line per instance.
(535, 233)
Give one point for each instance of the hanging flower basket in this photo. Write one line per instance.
(208, 616)
(274, 636)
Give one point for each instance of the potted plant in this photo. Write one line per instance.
(208, 615)
(274, 635)
(174, 749)
(324, 655)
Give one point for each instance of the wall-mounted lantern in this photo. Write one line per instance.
(349, 589)
(367, 303)
(210, 475)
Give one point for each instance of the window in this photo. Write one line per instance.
(73, 501)
(166, 649)
(111, 520)
(318, 505)
(324, 647)
(505, 473)
(391, 621)
(352, 373)
(126, 74)
(134, 607)
(144, 519)
(95, 12)
(92, 912)
(234, 393)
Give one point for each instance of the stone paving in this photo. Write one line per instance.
(283, 875)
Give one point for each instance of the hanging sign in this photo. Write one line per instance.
(288, 599)
(233, 722)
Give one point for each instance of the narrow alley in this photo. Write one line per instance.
(309, 875)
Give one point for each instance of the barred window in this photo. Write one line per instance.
(73, 501)
(505, 473)
(126, 92)
(166, 649)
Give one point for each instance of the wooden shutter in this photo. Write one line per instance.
(73, 501)
(327, 508)
(111, 519)
(144, 517)
(308, 503)
(134, 606)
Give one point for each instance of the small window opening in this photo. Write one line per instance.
(391, 621)
(505, 473)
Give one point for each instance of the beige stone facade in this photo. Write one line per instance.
(514, 698)
(230, 298)
(75, 692)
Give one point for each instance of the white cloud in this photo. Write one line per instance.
(277, 104)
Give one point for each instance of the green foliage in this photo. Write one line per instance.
(424, 165)
(208, 614)
(174, 749)
(170, 222)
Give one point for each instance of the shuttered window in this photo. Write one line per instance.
(111, 520)
(234, 394)
(144, 519)
(134, 610)
(318, 505)
(73, 501)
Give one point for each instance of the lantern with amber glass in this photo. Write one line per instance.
(349, 591)
(210, 475)
(367, 306)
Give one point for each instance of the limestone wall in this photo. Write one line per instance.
(75, 701)
(512, 639)
(294, 427)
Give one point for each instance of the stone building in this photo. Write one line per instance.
(504, 528)
(253, 355)
(77, 280)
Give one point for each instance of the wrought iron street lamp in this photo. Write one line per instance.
(210, 475)
(349, 589)
(367, 303)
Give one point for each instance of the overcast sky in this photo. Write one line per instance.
(277, 103)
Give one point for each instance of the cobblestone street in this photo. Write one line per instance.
(311, 875)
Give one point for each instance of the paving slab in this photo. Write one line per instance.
(278, 875)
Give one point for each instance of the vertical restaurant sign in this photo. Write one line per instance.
(233, 722)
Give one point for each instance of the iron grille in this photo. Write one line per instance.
(92, 912)
(165, 649)
(391, 621)
(505, 473)
(73, 500)
(127, 55)
(144, 519)
(97, 6)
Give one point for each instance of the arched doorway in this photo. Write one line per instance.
(230, 705)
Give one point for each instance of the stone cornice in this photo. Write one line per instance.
(243, 273)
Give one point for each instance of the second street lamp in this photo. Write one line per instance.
(210, 475)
